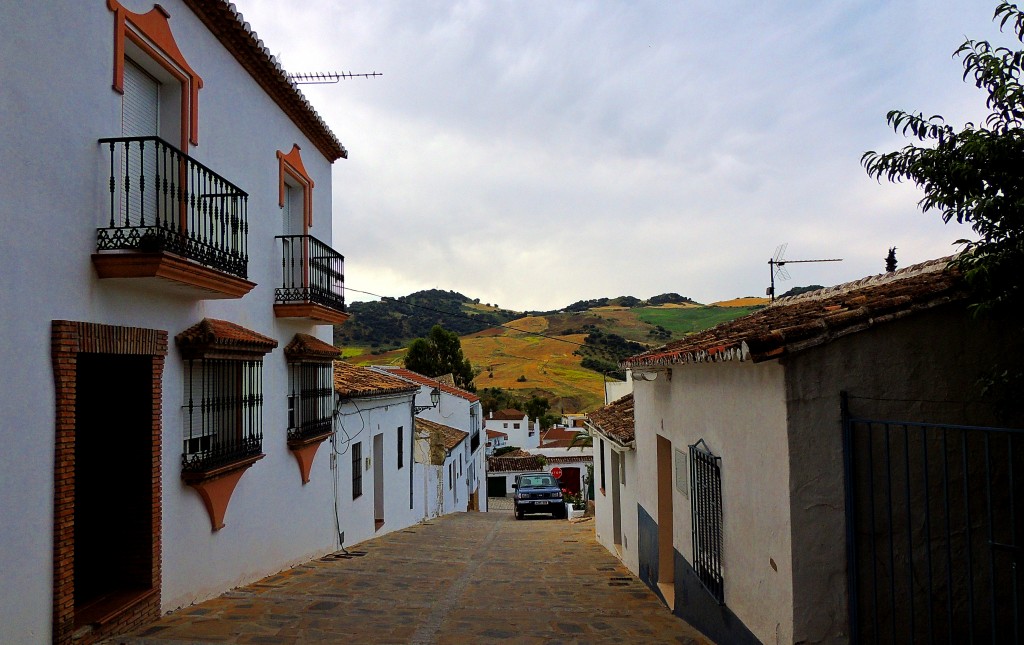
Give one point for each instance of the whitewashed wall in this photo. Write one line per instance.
(360, 421)
(627, 551)
(56, 103)
(519, 437)
(725, 404)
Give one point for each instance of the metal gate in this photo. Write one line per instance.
(934, 531)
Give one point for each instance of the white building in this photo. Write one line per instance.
(615, 484)
(162, 171)
(820, 469)
(374, 443)
(521, 433)
(445, 487)
(495, 440)
(459, 409)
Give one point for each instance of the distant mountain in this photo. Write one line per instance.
(395, 322)
(796, 291)
(629, 301)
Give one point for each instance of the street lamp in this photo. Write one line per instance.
(435, 399)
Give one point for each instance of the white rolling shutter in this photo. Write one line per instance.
(140, 106)
(140, 103)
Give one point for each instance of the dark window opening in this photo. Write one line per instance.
(401, 447)
(357, 470)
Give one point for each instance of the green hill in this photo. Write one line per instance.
(393, 323)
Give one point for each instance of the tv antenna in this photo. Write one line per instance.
(777, 267)
(324, 78)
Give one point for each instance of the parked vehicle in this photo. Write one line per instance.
(538, 493)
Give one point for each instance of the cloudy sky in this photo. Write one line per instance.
(535, 153)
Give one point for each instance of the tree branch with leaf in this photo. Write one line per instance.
(974, 175)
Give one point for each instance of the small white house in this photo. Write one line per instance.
(495, 440)
(521, 433)
(828, 466)
(445, 486)
(615, 484)
(453, 407)
(373, 447)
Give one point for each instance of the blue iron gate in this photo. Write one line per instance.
(934, 533)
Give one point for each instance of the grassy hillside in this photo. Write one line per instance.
(550, 365)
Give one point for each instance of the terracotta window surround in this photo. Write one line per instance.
(212, 339)
(151, 32)
(290, 165)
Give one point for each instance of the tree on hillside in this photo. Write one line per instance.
(438, 354)
(975, 175)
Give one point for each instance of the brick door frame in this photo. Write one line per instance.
(68, 340)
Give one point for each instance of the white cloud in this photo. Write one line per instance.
(535, 153)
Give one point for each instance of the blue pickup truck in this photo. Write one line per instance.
(538, 493)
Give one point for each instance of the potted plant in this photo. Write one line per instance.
(574, 504)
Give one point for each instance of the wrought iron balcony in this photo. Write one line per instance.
(171, 216)
(312, 281)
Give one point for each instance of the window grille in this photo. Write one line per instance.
(223, 412)
(357, 470)
(401, 447)
(310, 399)
(706, 514)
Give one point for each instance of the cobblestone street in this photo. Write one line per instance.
(463, 578)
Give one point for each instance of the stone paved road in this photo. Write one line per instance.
(463, 578)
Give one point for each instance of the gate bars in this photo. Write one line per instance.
(933, 531)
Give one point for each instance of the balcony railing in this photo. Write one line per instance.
(311, 273)
(163, 200)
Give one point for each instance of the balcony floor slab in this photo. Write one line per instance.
(164, 270)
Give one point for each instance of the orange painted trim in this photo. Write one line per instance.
(317, 313)
(291, 164)
(304, 451)
(216, 486)
(151, 31)
(207, 283)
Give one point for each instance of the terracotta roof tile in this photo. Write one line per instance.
(615, 420)
(514, 463)
(211, 337)
(354, 382)
(558, 438)
(491, 434)
(794, 324)
(452, 437)
(508, 415)
(415, 377)
(570, 459)
(306, 347)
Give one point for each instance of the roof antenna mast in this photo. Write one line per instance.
(323, 78)
(777, 267)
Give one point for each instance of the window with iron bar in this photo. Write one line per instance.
(357, 470)
(310, 399)
(706, 515)
(223, 412)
